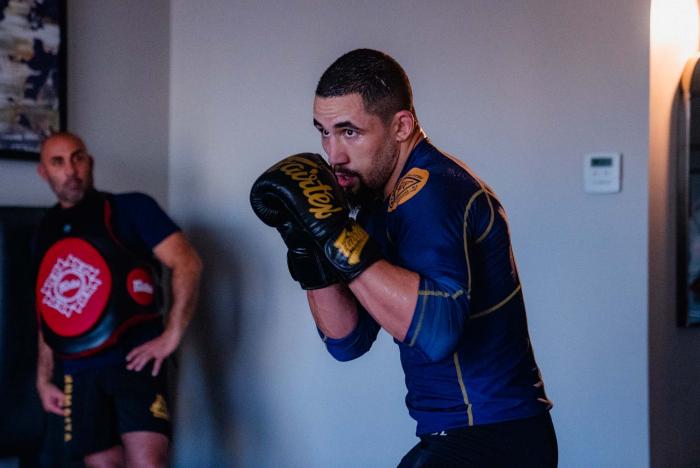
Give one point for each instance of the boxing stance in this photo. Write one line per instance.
(396, 234)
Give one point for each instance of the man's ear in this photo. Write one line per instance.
(41, 170)
(404, 124)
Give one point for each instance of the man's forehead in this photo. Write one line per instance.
(328, 110)
(60, 144)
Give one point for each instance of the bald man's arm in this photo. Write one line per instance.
(176, 253)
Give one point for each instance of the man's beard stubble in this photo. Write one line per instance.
(69, 195)
(371, 186)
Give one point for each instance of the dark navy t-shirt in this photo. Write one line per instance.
(140, 224)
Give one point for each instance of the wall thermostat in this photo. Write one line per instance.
(602, 172)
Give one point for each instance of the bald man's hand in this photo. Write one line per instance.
(155, 350)
(52, 398)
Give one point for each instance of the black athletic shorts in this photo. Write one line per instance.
(105, 402)
(523, 443)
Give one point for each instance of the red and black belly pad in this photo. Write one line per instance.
(90, 287)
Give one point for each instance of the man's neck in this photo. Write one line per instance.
(405, 149)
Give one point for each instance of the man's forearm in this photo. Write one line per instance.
(389, 293)
(185, 292)
(44, 368)
(334, 310)
(176, 253)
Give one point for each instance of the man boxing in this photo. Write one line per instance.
(98, 301)
(421, 250)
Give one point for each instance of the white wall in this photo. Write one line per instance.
(518, 90)
(118, 59)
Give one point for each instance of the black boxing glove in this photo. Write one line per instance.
(307, 264)
(302, 189)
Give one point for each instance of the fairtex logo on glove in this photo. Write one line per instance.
(305, 172)
(350, 243)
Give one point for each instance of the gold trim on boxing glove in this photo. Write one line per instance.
(319, 196)
(350, 243)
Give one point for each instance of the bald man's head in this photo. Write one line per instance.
(67, 167)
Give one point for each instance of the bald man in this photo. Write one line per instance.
(98, 301)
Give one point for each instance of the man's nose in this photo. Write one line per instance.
(71, 168)
(336, 152)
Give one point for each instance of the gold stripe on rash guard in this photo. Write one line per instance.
(466, 245)
(420, 317)
(497, 306)
(466, 169)
(441, 293)
(426, 293)
(465, 397)
(491, 220)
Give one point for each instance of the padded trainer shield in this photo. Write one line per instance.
(89, 286)
(73, 286)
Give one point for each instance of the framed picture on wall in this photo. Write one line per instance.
(32, 75)
(689, 196)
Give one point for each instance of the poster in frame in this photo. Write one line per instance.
(688, 183)
(32, 75)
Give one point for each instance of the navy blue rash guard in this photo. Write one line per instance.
(467, 356)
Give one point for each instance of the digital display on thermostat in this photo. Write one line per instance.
(601, 162)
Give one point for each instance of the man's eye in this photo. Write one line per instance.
(325, 133)
(349, 132)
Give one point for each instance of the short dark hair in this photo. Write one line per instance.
(377, 77)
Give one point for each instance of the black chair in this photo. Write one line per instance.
(22, 422)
